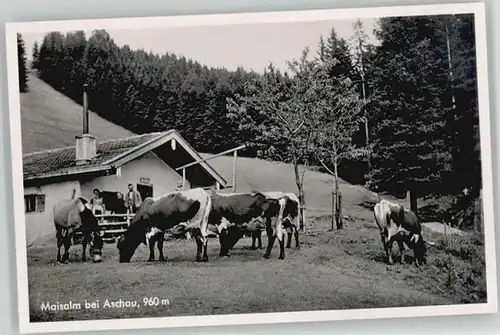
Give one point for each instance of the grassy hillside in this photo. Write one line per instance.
(260, 175)
(50, 120)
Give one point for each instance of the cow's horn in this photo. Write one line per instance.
(430, 243)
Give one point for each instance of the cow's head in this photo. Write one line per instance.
(128, 243)
(397, 214)
(91, 226)
(254, 225)
(180, 231)
(96, 244)
(419, 247)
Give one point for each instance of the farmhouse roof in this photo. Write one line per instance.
(111, 154)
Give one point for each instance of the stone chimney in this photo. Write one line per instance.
(86, 144)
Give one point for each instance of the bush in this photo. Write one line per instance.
(461, 266)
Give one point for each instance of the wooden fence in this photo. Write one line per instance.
(113, 225)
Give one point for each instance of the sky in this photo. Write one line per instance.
(252, 46)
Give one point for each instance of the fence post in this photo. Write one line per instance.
(333, 209)
(235, 157)
(304, 218)
(339, 211)
(446, 233)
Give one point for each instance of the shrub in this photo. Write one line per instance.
(460, 263)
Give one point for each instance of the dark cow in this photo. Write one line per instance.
(290, 204)
(183, 211)
(74, 215)
(240, 209)
(252, 229)
(400, 225)
(157, 236)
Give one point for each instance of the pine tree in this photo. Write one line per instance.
(74, 64)
(336, 48)
(467, 164)
(49, 60)
(35, 55)
(362, 54)
(22, 66)
(410, 150)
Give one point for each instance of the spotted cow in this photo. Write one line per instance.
(289, 207)
(397, 224)
(177, 212)
(238, 211)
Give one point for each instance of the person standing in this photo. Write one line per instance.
(97, 203)
(119, 204)
(133, 199)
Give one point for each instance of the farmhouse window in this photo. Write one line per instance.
(34, 203)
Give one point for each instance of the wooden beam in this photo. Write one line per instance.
(183, 179)
(209, 158)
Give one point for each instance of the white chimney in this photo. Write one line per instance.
(86, 144)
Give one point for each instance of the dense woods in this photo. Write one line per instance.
(399, 116)
(422, 142)
(21, 64)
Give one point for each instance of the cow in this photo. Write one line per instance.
(252, 229)
(397, 224)
(240, 209)
(75, 215)
(157, 236)
(181, 211)
(290, 221)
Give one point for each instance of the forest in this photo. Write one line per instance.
(399, 116)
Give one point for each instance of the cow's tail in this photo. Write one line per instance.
(296, 212)
(73, 194)
(300, 223)
(376, 213)
(278, 223)
(205, 214)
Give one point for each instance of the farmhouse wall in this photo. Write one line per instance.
(39, 225)
(163, 179)
(161, 176)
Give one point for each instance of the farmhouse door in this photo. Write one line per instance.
(145, 190)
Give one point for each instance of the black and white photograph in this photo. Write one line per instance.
(251, 168)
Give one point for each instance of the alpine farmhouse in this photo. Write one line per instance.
(152, 162)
